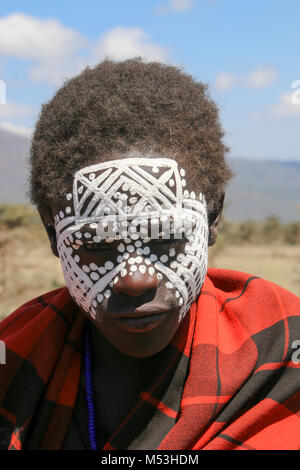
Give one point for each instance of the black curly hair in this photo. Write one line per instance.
(116, 107)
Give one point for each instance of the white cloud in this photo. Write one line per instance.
(55, 52)
(286, 107)
(182, 5)
(14, 110)
(175, 6)
(224, 81)
(22, 131)
(56, 71)
(122, 43)
(29, 37)
(50, 45)
(261, 77)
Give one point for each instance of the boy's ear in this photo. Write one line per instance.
(48, 222)
(214, 221)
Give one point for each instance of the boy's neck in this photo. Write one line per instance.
(118, 380)
(112, 365)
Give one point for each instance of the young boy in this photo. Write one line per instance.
(144, 348)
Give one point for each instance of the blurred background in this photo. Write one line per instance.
(248, 54)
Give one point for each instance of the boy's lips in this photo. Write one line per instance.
(141, 319)
(142, 311)
(139, 322)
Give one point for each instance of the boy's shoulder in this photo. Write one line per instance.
(55, 300)
(237, 283)
(256, 302)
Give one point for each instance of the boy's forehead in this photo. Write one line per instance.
(130, 190)
(130, 187)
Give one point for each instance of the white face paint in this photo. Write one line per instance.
(116, 200)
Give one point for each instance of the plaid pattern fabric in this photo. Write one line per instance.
(240, 388)
(38, 383)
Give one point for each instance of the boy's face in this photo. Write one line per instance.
(133, 242)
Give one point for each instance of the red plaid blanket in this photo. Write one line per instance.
(242, 390)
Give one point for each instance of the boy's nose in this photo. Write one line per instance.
(136, 283)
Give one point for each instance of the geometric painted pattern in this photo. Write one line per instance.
(133, 201)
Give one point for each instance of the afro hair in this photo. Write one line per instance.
(115, 108)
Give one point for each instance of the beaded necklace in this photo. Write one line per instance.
(89, 393)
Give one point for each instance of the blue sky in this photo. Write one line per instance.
(247, 51)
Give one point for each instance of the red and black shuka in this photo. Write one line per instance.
(229, 378)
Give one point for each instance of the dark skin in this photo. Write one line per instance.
(119, 355)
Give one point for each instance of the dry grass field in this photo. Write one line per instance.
(28, 267)
(277, 263)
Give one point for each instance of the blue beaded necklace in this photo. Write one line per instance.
(89, 393)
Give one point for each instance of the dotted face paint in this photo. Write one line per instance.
(154, 225)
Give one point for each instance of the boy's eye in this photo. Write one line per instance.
(171, 239)
(98, 246)
(105, 246)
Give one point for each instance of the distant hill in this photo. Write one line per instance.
(259, 188)
(14, 151)
(263, 188)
